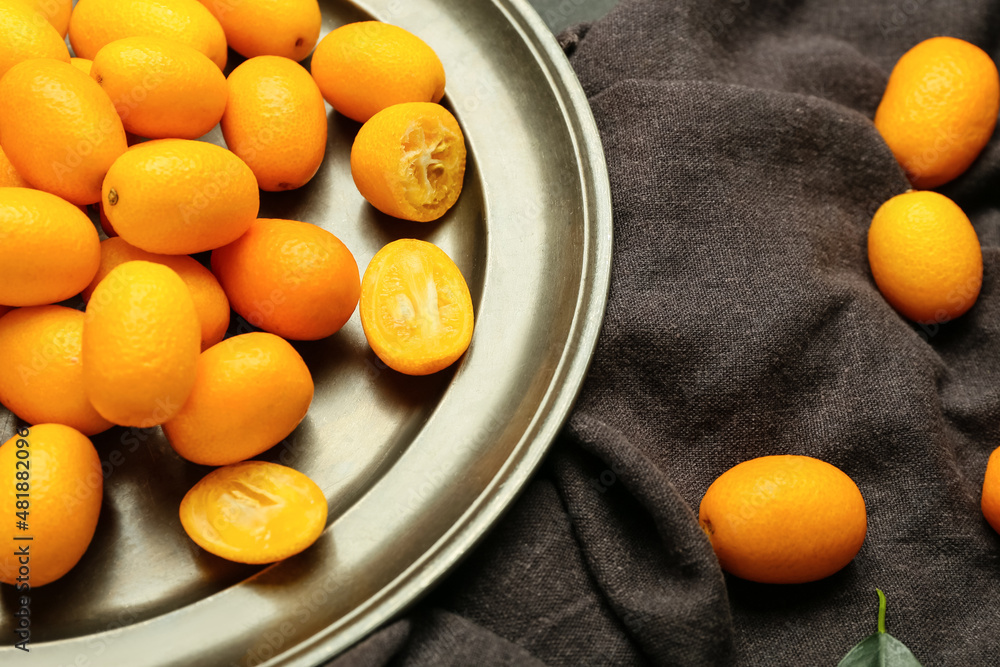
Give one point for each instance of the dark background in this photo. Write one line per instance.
(560, 14)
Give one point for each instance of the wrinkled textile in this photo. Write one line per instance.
(744, 321)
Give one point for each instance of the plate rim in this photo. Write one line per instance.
(496, 499)
(555, 405)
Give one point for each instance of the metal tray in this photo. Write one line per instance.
(416, 470)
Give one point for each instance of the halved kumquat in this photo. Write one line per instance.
(254, 512)
(408, 161)
(416, 309)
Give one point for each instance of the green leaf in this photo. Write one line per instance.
(879, 649)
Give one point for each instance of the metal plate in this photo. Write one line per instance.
(416, 469)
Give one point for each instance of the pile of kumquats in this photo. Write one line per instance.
(110, 138)
(795, 519)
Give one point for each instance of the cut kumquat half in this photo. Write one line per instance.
(408, 161)
(254, 512)
(416, 309)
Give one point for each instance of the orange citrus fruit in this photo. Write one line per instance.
(363, 68)
(925, 257)
(82, 64)
(4, 310)
(60, 471)
(60, 130)
(250, 393)
(161, 88)
(96, 23)
(56, 12)
(783, 519)
(939, 109)
(209, 299)
(50, 249)
(276, 122)
(9, 178)
(43, 379)
(991, 491)
(180, 197)
(254, 512)
(141, 341)
(416, 309)
(286, 28)
(290, 278)
(409, 161)
(27, 35)
(106, 225)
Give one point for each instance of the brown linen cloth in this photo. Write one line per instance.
(744, 321)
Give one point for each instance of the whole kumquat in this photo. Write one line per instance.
(209, 299)
(250, 393)
(180, 197)
(161, 88)
(784, 519)
(276, 122)
(50, 252)
(925, 257)
(290, 278)
(60, 130)
(939, 109)
(60, 471)
(96, 23)
(363, 68)
(141, 340)
(40, 350)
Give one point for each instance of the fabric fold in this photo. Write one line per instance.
(743, 321)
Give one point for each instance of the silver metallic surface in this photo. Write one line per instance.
(416, 470)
